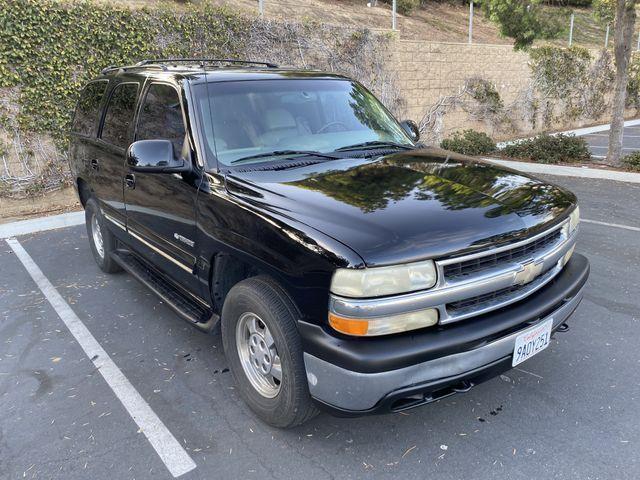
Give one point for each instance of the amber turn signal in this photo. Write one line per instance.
(402, 322)
(348, 326)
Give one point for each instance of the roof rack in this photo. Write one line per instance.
(111, 68)
(203, 61)
(108, 69)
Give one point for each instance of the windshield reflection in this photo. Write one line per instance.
(455, 185)
(247, 119)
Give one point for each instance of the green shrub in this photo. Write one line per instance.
(547, 148)
(405, 7)
(486, 94)
(469, 142)
(632, 161)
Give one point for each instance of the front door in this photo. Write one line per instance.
(106, 156)
(160, 206)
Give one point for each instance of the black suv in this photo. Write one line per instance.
(349, 267)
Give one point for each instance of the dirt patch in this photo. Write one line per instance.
(439, 22)
(59, 201)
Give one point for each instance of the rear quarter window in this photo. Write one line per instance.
(85, 120)
(117, 121)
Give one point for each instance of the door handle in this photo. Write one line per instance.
(94, 164)
(130, 180)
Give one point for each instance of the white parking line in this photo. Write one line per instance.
(600, 128)
(615, 225)
(607, 135)
(579, 132)
(176, 459)
(606, 148)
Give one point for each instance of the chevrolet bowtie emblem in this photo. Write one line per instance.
(528, 273)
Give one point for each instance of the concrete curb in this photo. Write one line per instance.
(579, 172)
(33, 225)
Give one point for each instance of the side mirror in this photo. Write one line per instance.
(412, 129)
(154, 156)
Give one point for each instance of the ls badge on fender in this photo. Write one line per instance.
(182, 239)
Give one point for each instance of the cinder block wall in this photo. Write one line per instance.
(429, 71)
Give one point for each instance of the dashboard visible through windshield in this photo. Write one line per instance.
(257, 121)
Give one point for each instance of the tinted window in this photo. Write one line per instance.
(161, 116)
(120, 114)
(86, 116)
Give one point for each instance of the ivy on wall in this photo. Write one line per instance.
(570, 82)
(49, 49)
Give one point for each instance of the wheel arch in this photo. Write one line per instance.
(84, 191)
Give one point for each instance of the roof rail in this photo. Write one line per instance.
(203, 61)
(108, 69)
(111, 68)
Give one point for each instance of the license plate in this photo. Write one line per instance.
(532, 342)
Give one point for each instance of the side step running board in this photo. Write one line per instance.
(185, 306)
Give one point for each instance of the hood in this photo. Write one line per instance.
(408, 206)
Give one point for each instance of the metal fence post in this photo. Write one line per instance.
(638, 46)
(261, 7)
(571, 31)
(606, 38)
(394, 7)
(470, 22)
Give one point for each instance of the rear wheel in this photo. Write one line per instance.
(101, 240)
(264, 351)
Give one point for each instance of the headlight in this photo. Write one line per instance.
(384, 326)
(574, 219)
(380, 281)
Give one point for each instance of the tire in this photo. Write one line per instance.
(101, 253)
(282, 405)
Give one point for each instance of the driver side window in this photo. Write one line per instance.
(161, 117)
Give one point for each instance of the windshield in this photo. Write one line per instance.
(253, 118)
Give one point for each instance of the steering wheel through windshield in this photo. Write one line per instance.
(333, 124)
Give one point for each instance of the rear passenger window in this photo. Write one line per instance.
(85, 119)
(161, 116)
(120, 114)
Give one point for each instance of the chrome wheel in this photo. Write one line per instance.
(96, 233)
(258, 355)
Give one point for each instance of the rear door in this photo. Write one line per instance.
(109, 159)
(83, 151)
(161, 207)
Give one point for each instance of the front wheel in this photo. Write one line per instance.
(101, 240)
(264, 352)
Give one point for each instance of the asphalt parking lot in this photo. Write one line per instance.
(569, 413)
(599, 141)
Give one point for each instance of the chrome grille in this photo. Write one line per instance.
(477, 283)
(516, 254)
(483, 273)
(482, 303)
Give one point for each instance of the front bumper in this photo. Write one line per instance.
(359, 376)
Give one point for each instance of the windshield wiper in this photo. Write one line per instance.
(278, 153)
(374, 143)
